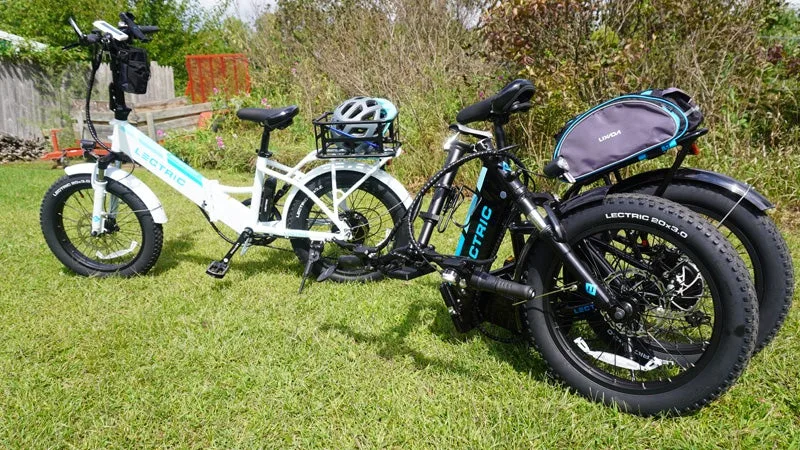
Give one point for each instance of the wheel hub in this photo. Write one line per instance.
(359, 225)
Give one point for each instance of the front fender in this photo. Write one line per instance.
(130, 181)
(352, 166)
(698, 176)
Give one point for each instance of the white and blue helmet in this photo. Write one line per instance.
(361, 109)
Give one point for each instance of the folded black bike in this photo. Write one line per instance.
(632, 300)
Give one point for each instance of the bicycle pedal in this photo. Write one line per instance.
(217, 269)
(326, 273)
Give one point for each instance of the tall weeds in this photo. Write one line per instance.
(740, 59)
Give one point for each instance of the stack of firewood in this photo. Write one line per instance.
(16, 149)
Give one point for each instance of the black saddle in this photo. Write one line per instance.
(514, 97)
(270, 119)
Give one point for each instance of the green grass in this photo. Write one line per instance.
(178, 359)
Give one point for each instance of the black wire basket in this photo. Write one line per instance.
(333, 142)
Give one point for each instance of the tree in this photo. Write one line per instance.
(186, 28)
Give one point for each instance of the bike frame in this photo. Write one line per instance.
(500, 199)
(215, 198)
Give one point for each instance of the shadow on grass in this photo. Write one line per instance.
(258, 259)
(393, 343)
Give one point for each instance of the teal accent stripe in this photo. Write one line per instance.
(172, 160)
(472, 206)
(185, 169)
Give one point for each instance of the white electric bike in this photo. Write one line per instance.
(101, 220)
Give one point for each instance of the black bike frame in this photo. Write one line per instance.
(500, 198)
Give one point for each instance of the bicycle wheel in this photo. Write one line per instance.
(372, 211)
(129, 245)
(692, 313)
(759, 243)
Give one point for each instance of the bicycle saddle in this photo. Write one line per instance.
(271, 119)
(514, 97)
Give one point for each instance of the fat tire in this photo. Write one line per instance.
(736, 310)
(51, 222)
(299, 210)
(768, 252)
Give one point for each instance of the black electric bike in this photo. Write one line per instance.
(632, 300)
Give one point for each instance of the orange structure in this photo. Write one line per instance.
(60, 155)
(223, 74)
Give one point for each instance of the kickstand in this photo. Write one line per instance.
(218, 269)
(314, 252)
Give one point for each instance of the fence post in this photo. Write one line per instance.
(151, 125)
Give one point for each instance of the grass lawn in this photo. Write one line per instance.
(178, 359)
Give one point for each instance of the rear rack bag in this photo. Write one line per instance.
(624, 130)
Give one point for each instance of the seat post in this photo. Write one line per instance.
(499, 132)
(264, 152)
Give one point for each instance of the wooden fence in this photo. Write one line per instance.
(30, 102)
(155, 119)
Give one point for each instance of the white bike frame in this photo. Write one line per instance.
(215, 198)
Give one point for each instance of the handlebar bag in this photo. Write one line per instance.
(624, 130)
(134, 70)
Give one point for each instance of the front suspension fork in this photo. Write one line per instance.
(99, 185)
(549, 230)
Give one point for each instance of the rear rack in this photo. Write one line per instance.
(333, 142)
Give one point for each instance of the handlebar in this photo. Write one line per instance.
(127, 31)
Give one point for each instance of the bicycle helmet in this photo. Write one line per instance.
(360, 109)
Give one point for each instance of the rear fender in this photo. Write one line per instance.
(697, 176)
(130, 181)
(350, 166)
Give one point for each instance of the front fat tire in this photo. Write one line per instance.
(731, 342)
(62, 232)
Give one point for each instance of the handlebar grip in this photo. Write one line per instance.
(553, 170)
(146, 29)
(128, 19)
(487, 282)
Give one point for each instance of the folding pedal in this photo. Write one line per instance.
(218, 269)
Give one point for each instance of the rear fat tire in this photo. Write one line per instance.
(734, 306)
(61, 235)
(773, 274)
(300, 209)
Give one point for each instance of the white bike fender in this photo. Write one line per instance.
(131, 182)
(354, 166)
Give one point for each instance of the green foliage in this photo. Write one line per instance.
(418, 54)
(186, 28)
(732, 56)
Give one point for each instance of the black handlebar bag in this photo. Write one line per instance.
(134, 70)
(624, 130)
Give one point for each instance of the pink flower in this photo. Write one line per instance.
(160, 133)
(481, 95)
(265, 103)
(220, 142)
(294, 70)
(216, 91)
